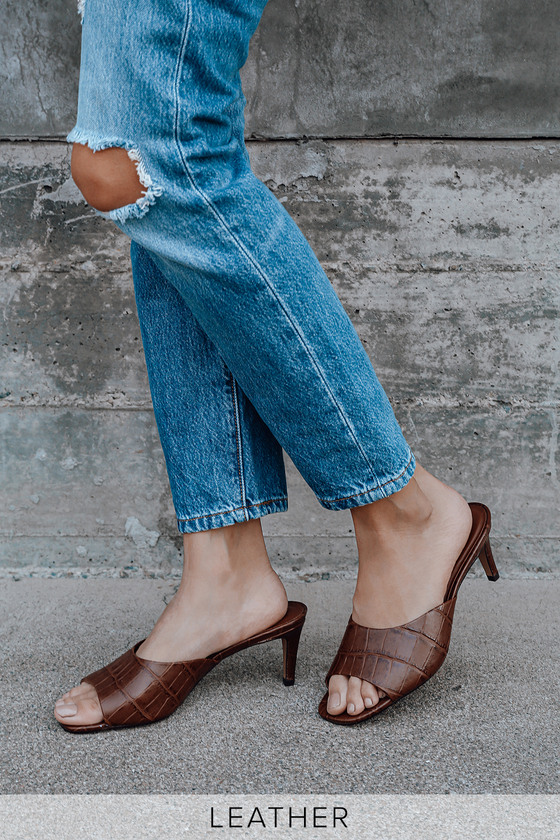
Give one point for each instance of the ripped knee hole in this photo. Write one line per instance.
(113, 179)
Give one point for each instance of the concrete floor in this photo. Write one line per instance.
(483, 724)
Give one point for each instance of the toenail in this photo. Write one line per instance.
(335, 699)
(369, 702)
(67, 710)
(351, 708)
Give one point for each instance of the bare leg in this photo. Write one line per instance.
(228, 592)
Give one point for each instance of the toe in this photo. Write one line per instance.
(354, 699)
(65, 710)
(370, 695)
(79, 692)
(338, 687)
(79, 706)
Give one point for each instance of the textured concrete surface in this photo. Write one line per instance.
(445, 255)
(322, 68)
(484, 724)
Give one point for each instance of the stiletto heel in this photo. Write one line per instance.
(488, 563)
(290, 644)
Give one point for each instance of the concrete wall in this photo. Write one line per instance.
(443, 249)
(361, 68)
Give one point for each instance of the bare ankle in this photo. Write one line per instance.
(414, 509)
(227, 550)
(407, 509)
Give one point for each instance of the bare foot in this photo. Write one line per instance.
(407, 544)
(228, 592)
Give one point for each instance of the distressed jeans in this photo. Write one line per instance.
(249, 351)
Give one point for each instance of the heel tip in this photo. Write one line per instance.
(494, 577)
(288, 682)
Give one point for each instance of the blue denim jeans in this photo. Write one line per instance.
(249, 351)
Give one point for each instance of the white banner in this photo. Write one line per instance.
(367, 817)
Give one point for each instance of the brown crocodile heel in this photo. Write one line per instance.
(135, 692)
(398, 660)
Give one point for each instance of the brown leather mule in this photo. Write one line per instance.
(398, 660)
(134, 691)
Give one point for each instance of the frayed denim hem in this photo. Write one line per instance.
(81, 9)
(372, 494)
(230, 517)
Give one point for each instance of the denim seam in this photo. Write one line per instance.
(231, 510)
(258, 268)
(377, 486)
(180, 60)
(238, 441)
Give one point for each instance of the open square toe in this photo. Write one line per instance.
(344, 719)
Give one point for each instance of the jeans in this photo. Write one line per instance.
(249, 351)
